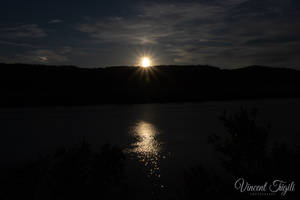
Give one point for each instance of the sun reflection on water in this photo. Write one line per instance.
(147, 147)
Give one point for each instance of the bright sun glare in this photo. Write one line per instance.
(145, 62)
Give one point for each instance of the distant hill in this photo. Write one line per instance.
(41, 85)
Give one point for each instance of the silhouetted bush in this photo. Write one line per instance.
(243, 154)
(244, 145)
(76, 173)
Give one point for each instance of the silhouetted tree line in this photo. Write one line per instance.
(35, 85)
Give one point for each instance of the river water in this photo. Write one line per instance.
(161, 140)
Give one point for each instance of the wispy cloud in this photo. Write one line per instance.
(174, 27)
(45, 56)
(22, 31)
(154, 23)
(16, 44)
(55, 21)
(204, 31)
(217, 32)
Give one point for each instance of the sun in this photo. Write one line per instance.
(145, 62)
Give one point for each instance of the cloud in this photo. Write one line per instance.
(41, 56)
(164, 25)
(263, 9)
(216, 32)
(185, 31)
(49, 56)
(209, 32)
(22, 31)
(55, 21)
(15, 44)
(125, 31)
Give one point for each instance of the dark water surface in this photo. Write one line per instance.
(160, 139)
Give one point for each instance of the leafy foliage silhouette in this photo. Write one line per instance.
(76, 173)
(244, 154)
(244, 145)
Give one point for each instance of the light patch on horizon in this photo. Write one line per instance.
(43, 58)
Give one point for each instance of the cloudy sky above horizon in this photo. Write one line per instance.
(223, 33)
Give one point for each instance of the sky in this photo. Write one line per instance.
(222, 33)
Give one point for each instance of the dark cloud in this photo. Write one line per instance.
(22, 31)
(15, 44)
(202, 32)
(55, 21)
(171, 26)
(44, 56)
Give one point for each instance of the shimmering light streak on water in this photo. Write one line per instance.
(147, 148)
